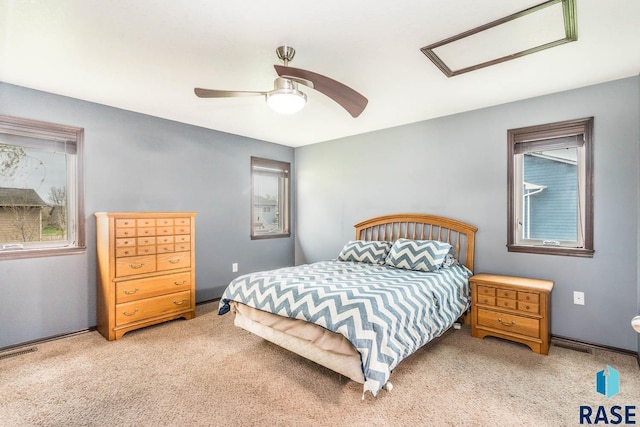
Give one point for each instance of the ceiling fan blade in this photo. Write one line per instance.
(348, 98)
(213, 93)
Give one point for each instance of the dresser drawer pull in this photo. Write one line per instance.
(137, 266)
(180, 302)
(174, 261)
(502, 322)
(130, 314)
(128, 292)
(179, 284)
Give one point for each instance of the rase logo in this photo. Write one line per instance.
(608, 384)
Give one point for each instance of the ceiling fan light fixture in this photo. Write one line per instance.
(286, 98)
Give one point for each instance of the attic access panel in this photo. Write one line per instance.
(540, 27)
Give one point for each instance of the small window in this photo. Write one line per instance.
(550, 189)
(41, 208)
(269, 198)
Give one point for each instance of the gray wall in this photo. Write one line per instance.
(455, 166)
(135, 162)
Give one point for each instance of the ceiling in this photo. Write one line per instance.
(148, 55)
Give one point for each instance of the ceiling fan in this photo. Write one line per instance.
(285, 97)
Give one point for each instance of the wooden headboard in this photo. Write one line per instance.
(418, 226)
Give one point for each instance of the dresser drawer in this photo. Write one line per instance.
(146, 250)
(164, 231)
(173, 260)
(133, 290)
(146, 222)
(182, 230)
(126, 251)
(182, 221)
(145, 241)
(135, 265)
(180, 247)
(146, 231)
(161, 240)
(125, 232)
(125, 242)
(508, 322)
(161, 222)
(151, 307)
(183, 238)
(125, 222)
(162, 249)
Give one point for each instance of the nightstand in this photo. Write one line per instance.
(513, 308)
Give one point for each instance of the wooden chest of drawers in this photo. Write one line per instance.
(514, 308)
(146, 269)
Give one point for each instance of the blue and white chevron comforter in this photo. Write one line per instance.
(385, 312)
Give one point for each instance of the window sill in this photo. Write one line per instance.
(555, 250)
(38, 253)
(269, 236)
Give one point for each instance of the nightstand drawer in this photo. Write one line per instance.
(486, 290)
(509, 323)
(505, 293)
(507, 303)
(485, 300)
(528, 307)
(529, 297)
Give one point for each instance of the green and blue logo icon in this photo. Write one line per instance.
(608, 382)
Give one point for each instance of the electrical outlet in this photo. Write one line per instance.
(578, 298)
(234, 267)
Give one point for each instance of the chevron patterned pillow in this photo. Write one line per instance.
(372, 252)
(420, 255)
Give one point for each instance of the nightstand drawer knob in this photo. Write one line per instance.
(130, 314)
(128, 292)
(502, 322)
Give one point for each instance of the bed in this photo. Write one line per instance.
(400, 284)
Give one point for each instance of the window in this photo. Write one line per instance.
(269, 198)
(41, 203)
(550, 189)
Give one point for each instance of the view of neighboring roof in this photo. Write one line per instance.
(263, 201)
(20, 197)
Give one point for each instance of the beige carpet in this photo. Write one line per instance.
(206, 372)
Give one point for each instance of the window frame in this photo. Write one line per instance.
(55, 133)
(543, 132)
(283, 205)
